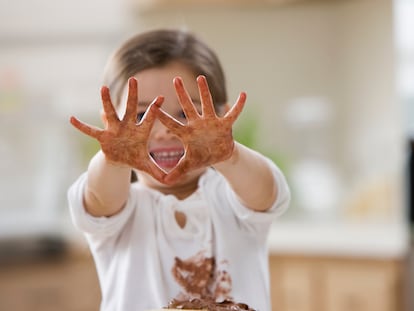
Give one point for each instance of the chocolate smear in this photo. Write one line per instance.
(208, 304)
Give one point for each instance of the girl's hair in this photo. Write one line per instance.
(158, 48)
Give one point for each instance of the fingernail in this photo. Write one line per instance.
(105, 91)
(158, 101)
(178, 81)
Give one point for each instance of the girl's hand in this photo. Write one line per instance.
(124, 142)
(207, 138)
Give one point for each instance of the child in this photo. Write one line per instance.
(195, 222)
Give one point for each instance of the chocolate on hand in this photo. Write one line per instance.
(124, 141)
(207, 138)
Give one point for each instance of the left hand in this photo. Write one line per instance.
(124, 142)
(207, 138)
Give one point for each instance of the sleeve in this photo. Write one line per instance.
(278, 208)
(96, 226)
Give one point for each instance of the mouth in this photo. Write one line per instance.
(167, 158)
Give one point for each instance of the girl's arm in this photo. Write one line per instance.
(123, 147)
(250, 177)
(107, 186)
(208, 141)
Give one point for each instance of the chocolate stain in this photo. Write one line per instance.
(208, 304)
(199, 277)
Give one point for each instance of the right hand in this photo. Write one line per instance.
(207, 138)
(124, 142)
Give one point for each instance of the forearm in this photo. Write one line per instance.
(250, 177)
(107, 188)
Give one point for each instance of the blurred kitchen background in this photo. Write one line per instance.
(330, 87)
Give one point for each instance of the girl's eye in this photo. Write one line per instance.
(181, 115)
(140, 115)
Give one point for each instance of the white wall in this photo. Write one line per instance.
(336, 52)
(51, 59)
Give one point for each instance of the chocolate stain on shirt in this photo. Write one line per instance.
(199, 277)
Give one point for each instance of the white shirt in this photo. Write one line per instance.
(144, 258)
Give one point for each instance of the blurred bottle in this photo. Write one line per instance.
(314, 177)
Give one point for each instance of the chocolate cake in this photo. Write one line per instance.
(208, 304)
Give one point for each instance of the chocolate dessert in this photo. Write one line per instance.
(208, 304)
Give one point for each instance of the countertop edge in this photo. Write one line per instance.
(383, 241)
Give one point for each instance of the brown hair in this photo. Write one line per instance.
(158, 48)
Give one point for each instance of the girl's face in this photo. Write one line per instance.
(165, 148)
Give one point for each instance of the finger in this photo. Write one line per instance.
(149, 166)
(205, 96)
(132, 100)
(107, 105)
(184, 98)
(155, 171)
(174, 125)
(237, 108)
(151, 112)
(181, 168)
(85, 128)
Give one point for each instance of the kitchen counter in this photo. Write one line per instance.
(385, 241)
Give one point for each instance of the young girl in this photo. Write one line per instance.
(195, 223)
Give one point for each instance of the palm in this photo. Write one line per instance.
(124, 141)
(207, 138)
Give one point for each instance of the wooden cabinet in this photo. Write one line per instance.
(361, 287)
(70, 283)
(335, 284)
(67, 283)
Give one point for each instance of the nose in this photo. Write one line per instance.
(160, 131)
